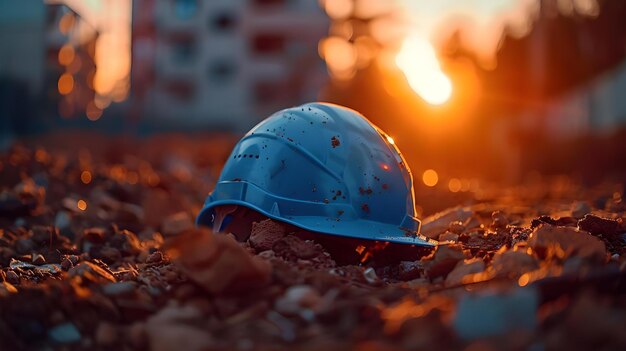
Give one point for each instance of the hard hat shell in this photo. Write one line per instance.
(324, 168)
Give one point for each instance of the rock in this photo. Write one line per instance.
(456, 227)
(292, 247)
(449, 236)
(409, 270)
(65, 333)
(128, 213)
(217, 262)
(109, 254)
(266, 233)
(443, 260)
(62, 220)
(137, 336)
(549, 240)
(579, 209)
(66, 264)
(512, 263)
(176, 224)
(561, 222)
(45, 269)
(127, 242)
(11, 206)
(24, 246)
(106, 334)
(296, 298)
(370, 276)
(6, 289)
(155, 257)
(91, 272)
(491, 313)
(176, 328)
(436, 224)
(159, 203)
(12, 277)
(119, 288)
(500, 220)
(93, 235)
(44, 235)
(38, 259)
(463, 269)
(600, 226)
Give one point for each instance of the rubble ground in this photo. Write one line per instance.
(98, 250)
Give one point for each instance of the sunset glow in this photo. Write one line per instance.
(418, 61)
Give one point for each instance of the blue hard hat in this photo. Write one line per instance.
(323, 168)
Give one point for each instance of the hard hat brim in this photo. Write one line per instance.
(351, 228)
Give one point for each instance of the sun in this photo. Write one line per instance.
(418, 61)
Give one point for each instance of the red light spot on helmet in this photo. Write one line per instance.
(384, 166)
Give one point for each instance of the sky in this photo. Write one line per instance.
(482, 21)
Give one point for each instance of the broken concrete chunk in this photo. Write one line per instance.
(45, 268)
(176, 328)
(600, 226)
(292, 247)
(580, 209)
(490, 314)
(266, 233)
(65, 333)
(217, 262)
(443, 260)
(176, 224)
(409, 270)
(463, 269)
(547, 239)
(91, 272)
(436, 224)
(449, 236)
(513, 263)
(296, 299)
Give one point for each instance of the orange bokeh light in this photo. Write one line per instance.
(85, 177)
(82, 205)
(66, 54)
(340, 56)
(455, 185)
(338, 8)
(66, 23)
(66, 84)
(430, 177)
(92, 111)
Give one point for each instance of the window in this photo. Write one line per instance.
(222, 71)
(223, 21)
(268, 92)
(183, 49)
(185, 9)
(181, 90)
(261, 3)
(268, 43)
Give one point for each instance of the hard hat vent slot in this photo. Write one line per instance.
(246, 156)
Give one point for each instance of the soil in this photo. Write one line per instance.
(99, 250)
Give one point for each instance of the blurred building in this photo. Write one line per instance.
(557, 92)
(224, 63)
(46, 65)
(567, 77)
(70, 44)
(21, 63)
